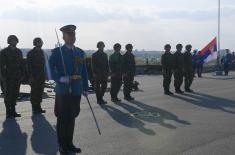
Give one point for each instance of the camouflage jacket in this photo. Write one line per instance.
(36, 63)
(12, 65)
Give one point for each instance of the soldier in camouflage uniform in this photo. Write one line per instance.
(36, 68)
(2, 84)
(188, 69)
(167, 69)
(12, 70)
(115, 63)
(128, 72)
(100, 68)
(178, 68)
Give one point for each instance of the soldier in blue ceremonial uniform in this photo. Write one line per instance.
(69, 71)
(194, 61)
(227, 61)
(200, 62)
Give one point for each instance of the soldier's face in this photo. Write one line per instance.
(188, 49)
(101, 47)
(117, 49)
(13, 42)
(179, 49)
(168, 49)
(39, 44)
(129, 49)
(69, 38)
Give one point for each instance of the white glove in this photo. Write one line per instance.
(64, 79)
(85, 93)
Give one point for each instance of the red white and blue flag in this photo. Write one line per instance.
(209, 52)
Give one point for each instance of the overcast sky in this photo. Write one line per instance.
(147, 24)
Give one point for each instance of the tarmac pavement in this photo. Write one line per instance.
(199, 123)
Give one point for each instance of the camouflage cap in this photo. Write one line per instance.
(117, 45)
(12, 37)
(129, 46)
(100, 43)
(179, 46)
(167, 46)
(188, 46)
(37, 40)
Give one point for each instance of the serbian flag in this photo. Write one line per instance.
(209, 52)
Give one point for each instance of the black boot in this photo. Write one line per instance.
(63, 149)
(178, 91)
(40, 109)
(75, 149)
(129, 98)
(168, 93)
(188, 90)
(37, 109)
(103, 101)
(14, 113)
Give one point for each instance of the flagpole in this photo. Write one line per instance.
(218, 32)
(219, 69)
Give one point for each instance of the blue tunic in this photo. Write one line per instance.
(74, 60)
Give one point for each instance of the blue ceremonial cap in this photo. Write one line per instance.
(68, 29)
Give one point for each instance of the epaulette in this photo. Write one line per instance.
(56, 49)
(81, 50)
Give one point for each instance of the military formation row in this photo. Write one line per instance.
(179, 64)
(13, 70)
(122, 69)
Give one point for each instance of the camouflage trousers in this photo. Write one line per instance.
(37, 88)
(100, 86)
(116, 83)
(178, 76)
(188, 79)
(11, 92)
(167, 74)
(128, 84)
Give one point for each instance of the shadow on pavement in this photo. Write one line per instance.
(127, 120)
(220, 78)
(43, 139)
(208, 101)
(12, 139)
(160, 115)
(139, 113)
